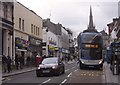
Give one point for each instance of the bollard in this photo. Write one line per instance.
(115, 68)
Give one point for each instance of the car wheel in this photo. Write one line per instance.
(63, 70)
(37, 74)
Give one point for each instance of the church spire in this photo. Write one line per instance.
(91, 26)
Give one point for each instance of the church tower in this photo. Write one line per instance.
(91, 26)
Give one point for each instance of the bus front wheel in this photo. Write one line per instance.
(81, 66)
(101, 66)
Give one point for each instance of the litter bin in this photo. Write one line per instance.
(115, 68)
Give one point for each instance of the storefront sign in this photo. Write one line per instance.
(53, 48)
(34, 41)
(52, 42)
(21, 43)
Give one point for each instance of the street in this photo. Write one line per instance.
(72, 75)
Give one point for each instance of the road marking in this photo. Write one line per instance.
(69, 74)
(73, 67)
(46, 81)
(63, 82)
(75, 70)
(67, 70)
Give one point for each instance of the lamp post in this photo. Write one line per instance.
(47, 46)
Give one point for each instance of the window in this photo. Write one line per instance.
(23, 25)
(19, 23)
(38, 31)
(5, 9)
(31, 28)
(34, 29)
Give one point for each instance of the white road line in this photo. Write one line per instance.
(46, 81)
(69, 74)
(73, 67)
(75, 70)
(63, 82)
(67, 70)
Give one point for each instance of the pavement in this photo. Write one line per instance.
(15, 72)
(110, 78)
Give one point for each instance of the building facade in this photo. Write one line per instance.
(114, 30)
(71, 43)
(27, 31)
(65, 42)
(6, 28)
(58, 35)
(52, 38)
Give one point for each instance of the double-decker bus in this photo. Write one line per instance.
(90, 47)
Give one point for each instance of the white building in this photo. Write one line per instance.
(52, 43)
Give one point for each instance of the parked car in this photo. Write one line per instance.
(53, 66)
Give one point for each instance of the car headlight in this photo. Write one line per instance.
(54, 67)
(39, 67)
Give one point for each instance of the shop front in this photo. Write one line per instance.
(65, 54)
(53, 51)
(21, 46)
(35, 46)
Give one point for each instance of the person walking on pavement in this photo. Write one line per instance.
(4, 63)
(9, 63)
(38, 59)
(16, 61)
(28, 61)
(21, 60)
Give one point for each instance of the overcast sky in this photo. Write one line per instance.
(74, 14)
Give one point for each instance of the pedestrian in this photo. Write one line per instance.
(9, 63)
(4, 63)
(28, 61)
(44, 57)
(38, 59)
(16, 61)
(21, 60)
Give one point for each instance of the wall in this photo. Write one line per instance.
(29, 18)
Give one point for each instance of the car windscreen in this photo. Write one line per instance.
(50, 61)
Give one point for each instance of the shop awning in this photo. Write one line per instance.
(21, 50)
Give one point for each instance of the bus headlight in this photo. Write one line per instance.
(82, 61)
